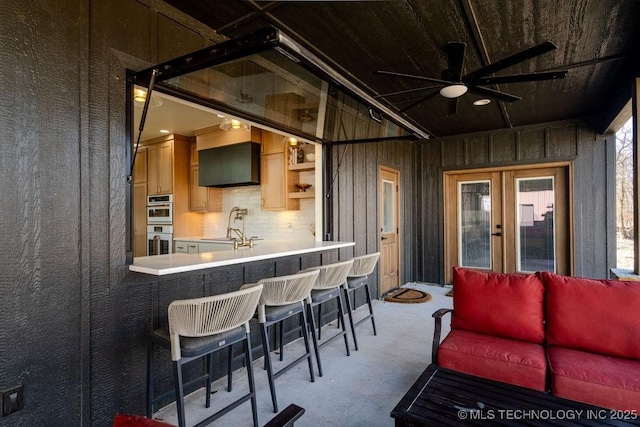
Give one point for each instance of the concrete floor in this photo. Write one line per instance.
(360, 390)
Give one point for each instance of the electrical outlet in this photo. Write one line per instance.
(11, 400)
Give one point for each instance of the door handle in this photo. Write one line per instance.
(383, 238)
(497, 234)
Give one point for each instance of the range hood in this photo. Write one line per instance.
(230, 166)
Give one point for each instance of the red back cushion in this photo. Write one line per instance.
(504, 305)
(600, 316)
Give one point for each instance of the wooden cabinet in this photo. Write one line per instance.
(276, 181)
(202, 199)
(140, 219)
(140, 166)
(169, 172)
(160, 168)
(140, 203)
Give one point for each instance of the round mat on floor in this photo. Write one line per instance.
(408, 296)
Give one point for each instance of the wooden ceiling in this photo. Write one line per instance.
(598, 43)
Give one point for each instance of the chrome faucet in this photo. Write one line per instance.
(240, 214)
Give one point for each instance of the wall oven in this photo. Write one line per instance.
(160, 209)
(159, 239)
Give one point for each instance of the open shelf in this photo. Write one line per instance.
(306, 166)
(302, 195)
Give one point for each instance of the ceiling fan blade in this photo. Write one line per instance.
(532, 52)
(455, 60)
(494, 94)
(411, 76)
(419, 101)
(402, 92)
(519, 78)
(452, 107)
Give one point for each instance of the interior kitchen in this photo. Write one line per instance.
(205, 181)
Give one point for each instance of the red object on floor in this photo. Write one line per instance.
(123, 420)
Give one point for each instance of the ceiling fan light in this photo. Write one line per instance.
(453, 91)
(483, 101)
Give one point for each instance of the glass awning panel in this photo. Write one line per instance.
(267, 78)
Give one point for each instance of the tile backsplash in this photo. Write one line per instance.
(270, 225)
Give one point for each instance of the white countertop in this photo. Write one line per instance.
(160, 265)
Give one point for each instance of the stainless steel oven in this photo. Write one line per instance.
(160, 209)
(159, 239)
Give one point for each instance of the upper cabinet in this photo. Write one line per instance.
(160, 168)
(202, 199)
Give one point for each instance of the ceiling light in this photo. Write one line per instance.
(453, 91)
(140, 96)
(164, 131)
(229, 124)
(483, 101)
(220, 115)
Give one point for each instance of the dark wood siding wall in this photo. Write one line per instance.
(593, 158)
(355, 194)
(72, 320)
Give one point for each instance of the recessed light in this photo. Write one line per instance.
(164, 131)
(483, 101)
(220, 115)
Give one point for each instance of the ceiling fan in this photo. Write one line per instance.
(454, 84)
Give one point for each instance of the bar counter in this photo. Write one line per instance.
(160, 265)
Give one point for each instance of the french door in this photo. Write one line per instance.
(509, 221)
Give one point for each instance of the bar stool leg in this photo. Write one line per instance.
(281, 340)
(149, 379)
(252, 385)
(344, 325)
(350, 314)
(312, 326)
(207, 400)
(267, 360)
(307, 347)
(319, 322)
(177, 378)
(368, 293)
(230, 369)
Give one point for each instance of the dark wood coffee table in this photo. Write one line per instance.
(441, 397)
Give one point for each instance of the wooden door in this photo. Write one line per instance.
(509, 221)
(389, 229)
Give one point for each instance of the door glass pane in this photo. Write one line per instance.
(388, 208)
(535, 226)
(474, 199)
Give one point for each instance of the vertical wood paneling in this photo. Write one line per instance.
(531, 145)
(361, 214)
(502, 147)
(477, 150)
(558, 137)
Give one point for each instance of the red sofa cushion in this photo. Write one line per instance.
(500, 359)
(600, 316)
(595, 379)
(504, 305)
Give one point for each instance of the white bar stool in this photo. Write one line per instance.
(358, 278)
(197, 328)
